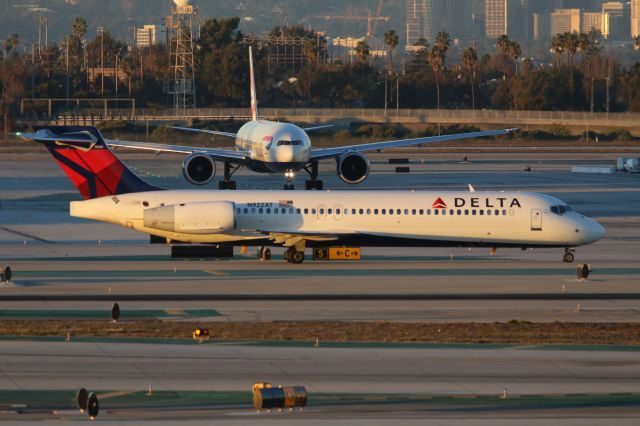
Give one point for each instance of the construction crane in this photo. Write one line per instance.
(369, 18)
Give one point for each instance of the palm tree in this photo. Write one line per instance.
(79, 28)
(502, 44)
(11, 43)
(470, 59)
(362, 51)
(514, 52)
(391, 39)
(557, 47)
(436, 59)
(443, 41)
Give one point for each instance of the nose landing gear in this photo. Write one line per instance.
(314, 183)
(264, 253)
(568, 255)
(288, 186)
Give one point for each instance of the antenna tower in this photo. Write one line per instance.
(180, 37)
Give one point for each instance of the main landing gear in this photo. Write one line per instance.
(292, 255)
(227, 183)
(314, 183)
(568, 255)
(264, 253)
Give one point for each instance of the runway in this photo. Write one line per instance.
(69, 268)
(454, 371)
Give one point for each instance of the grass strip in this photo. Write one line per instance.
(511, 333)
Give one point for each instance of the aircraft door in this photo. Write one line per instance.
(536, 220)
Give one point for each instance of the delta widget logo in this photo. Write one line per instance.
(439, 204)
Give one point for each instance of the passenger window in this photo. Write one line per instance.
(444, 212)
(474, 212)
(406, 212)
(260, 211)
(413, 212)
(488, 212)
(330, 211)
(429, 212)
(452, 212)
(375, 211)
(283, 211)
(290, 211)
(481, 212)
(238, 211)
(504, 212)
(268, 211)
(275, 211)
(321, 211)
(497, 212)
(421, 212)
(313, 211)
(390, 211)
(246, 211)
(459, 212)
(398, 211)
(306, 211)
(298, 211)
(466, 212)
(338, 211)
(436, 212)
(384, 211)
(353, 211)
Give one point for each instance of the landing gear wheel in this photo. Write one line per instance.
(298, 257)
(313, 184)
(568, 257)
(264, 253)
(294, 256)
(224, 184)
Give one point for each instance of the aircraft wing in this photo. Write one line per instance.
(311, 129)
(216, 154)
(207, 132)
(324, 153)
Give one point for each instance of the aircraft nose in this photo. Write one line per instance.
(592, 231)
(284, 154)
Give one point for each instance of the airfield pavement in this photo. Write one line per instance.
(63, 264)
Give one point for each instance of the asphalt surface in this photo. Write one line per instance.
(57, 259)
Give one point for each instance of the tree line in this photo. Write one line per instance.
(581, 76)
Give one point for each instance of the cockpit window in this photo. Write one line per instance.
(560, 210)
(289, 143)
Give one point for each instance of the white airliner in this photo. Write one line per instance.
(272, 147)
(300, 219)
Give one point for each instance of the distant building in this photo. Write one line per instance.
(510, 17)
(565, 21)
(619, 19)
(426, 18)
(541, 26)
(595, 21)
(635, 18)
(146, 36)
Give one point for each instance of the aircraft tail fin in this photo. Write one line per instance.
(86, 159)
(254, 99)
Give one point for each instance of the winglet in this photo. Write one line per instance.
(254, 100)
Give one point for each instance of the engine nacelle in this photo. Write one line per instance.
(353, 167)
(199, 169)
(212, 217)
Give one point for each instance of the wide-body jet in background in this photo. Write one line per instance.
(265, 146)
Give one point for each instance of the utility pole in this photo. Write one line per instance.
(386, 78)
(67, 77)
(101, 32)
(397, 91)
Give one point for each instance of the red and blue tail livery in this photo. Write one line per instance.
(87, 160)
